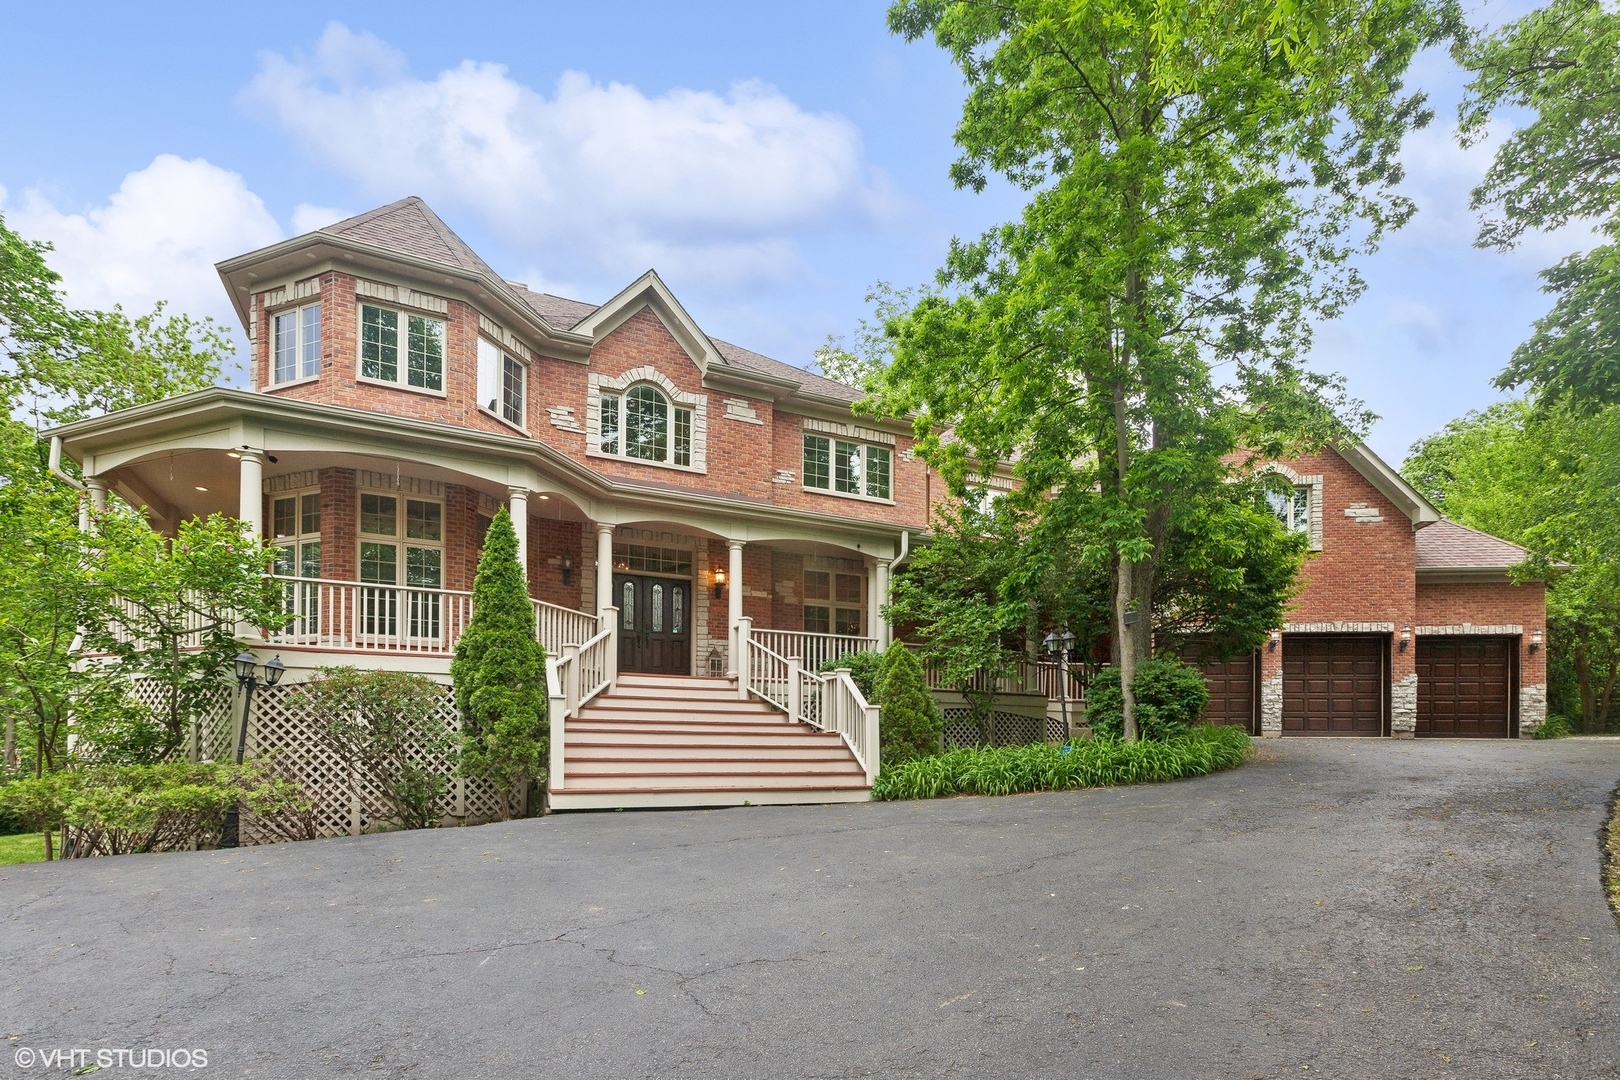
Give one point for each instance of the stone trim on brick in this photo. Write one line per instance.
(1532, 708)
(848, 431)
(293, 481)
(1403, 707)
(563, 419)
(1469, 629)
(1271, 706)
(1339, 628)
(296, 293)
(503, 337)
(738, 409)
(1362, 513)
(698, 403)
(401, 296)
(368, 480)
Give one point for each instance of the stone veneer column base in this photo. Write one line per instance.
(1403, 708)
(1271, 703)
(1532, 709)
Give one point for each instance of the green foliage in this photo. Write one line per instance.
(909, 722)
(114, 810)
(383, 725)
(499, 673)
(1008, 770)
(864, 669)
(1556, 726)
(1557, 64)
(1170, 698)
(1545, 477)
(1199, 177)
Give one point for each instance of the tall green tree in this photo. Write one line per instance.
(1545, 477)
(1199, 177)
(1560, 65)
(499, 673)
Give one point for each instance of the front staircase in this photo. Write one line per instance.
(667, 741)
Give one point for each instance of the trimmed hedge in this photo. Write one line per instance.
(1009, 770)
(1170, 698)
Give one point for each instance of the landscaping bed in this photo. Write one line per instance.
(1009, 770)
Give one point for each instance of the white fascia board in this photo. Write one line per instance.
(1391, 484)
(649, 290)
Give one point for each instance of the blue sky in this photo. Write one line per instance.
(771, 161)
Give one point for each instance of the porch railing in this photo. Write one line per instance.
(401, 618)
(572, 680)
(830, 702)
(814, 649)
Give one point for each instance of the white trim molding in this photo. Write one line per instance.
(697, 403)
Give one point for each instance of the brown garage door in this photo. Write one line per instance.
(1465, 687)
(1333, 685)
(1231, 688)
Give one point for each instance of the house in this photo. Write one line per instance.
(702, 526)
(1405, 624)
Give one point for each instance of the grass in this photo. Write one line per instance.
(1009, 770)
(24, 847)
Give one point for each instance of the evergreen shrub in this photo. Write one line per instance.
(1170, 698)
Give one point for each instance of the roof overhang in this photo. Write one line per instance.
(649, 290)
(1389, 483)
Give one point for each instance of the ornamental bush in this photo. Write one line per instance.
(864, 668)
(1170, 697)
(910, 723)
(499, 674)
(1008, 770)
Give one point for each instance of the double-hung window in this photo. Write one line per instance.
(295, 345)
(402, 348)
(401, 544)
(501, 381)
(296, 525)
(641, 424)
(848, 468)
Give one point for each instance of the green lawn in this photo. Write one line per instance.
(28, 847)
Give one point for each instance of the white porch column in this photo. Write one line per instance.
(734, 601)
(604, 567)
(517, 505)
(884, 630)
(250, 492)
(95, 504)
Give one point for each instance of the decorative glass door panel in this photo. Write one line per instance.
(654, 623)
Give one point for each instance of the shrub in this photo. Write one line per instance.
(383, 726)
(500, 673)
(910, 722)
(864, 668)
(119, 809)
(1554, 727)
(1170, 697)
(1007, 770)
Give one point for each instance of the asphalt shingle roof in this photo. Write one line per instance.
(410, 227)
(1447, 545)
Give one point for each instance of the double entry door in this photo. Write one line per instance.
(655, 615)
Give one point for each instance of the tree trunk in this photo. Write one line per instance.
(1125, 641)
(49, 854)
(1583, 683)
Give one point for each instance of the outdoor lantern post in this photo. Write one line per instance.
(1060, 645)
(247, 678)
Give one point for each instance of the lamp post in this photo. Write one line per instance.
(247, 678)
(1060, 645)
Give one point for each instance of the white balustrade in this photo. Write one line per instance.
(830, 702)
(815, 649)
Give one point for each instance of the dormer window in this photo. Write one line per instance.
(296, 344)
(381, 348)
(643, 417)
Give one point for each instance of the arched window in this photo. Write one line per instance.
(646, 424)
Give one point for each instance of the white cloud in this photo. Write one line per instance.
(156, 238)
(595, 176)
(306, 217)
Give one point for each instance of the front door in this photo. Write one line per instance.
(655, 616)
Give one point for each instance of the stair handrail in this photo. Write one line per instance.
(572, 681)
(557, 671)
(830, 702)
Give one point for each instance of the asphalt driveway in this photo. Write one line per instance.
(1336, 909)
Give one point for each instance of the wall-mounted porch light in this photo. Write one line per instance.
(567, 569)
(1535, 641)
(719, 583)
(1276, 640)
(1406, 637)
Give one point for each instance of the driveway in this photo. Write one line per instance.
(1336, 908)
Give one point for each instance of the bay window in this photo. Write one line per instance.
(501, 381)
(295, 344)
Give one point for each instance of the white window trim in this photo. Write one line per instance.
(399, 539)
(523, 362)
(270, 352)
(403, 346)
(698, 404)
(1315, 511)
(832, 490)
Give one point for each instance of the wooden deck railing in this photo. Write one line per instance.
(830, 702)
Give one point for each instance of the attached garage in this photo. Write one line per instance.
(1233, 691)
(1465, 687)
(1334, 684)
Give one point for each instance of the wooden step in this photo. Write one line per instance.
(680, 682)
(703, 729)
(657, 772)
(707, 751)
(712, 782)
(617, 706)
(693, 798)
